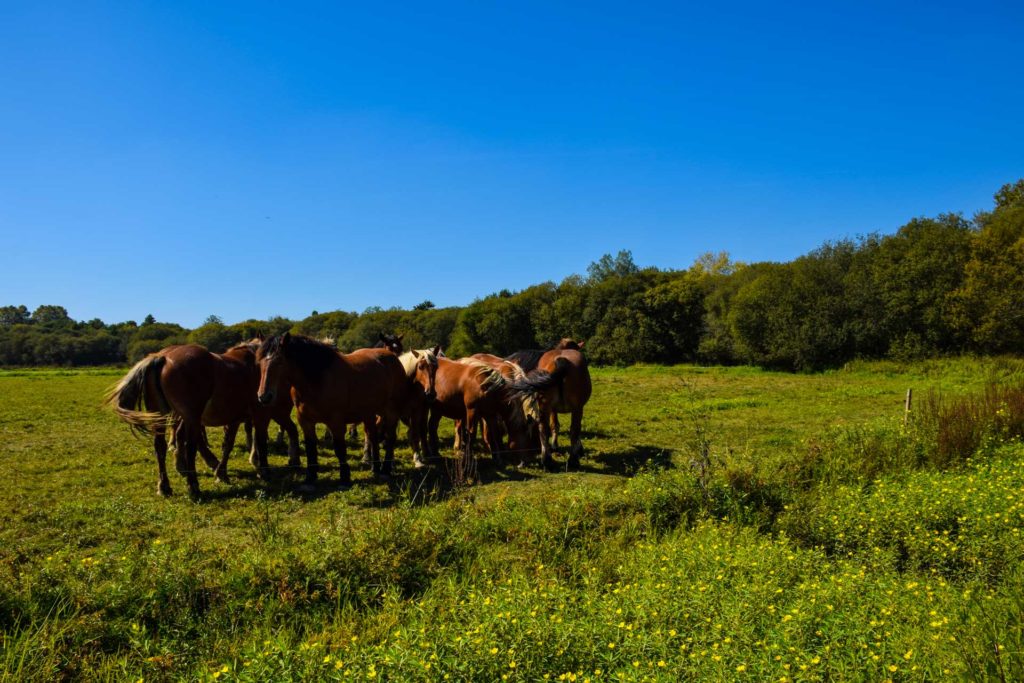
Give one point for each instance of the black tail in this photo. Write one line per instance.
(539, 380)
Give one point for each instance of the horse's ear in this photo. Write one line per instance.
(440, 352)
(415, 353)
(580, 344)
(437, 350)
(399, 337)
(285, 338)
(259, 336)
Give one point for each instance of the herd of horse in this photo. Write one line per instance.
(181, 390)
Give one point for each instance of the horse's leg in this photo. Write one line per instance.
(288, 426)
(431, 435)
(371, 453)
(279, 440)
(388, 434)
(492, 435)
(340, 447)
(418, 437)
(554, 430)
(203, 446)
(309, 437)
(248, 438)
(545, 443)
(329, 437)
(163, 486)
(575, 444)
(353, 432)
(460, 425)
(230, 432)
(188, 437)
(261, 447)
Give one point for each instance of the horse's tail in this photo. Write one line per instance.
(131, 402)
(538, 380)
(528, 406)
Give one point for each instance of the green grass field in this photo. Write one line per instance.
(728, 524)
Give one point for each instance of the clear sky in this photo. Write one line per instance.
(253, 159)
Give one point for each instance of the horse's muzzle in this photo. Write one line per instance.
(430, 395)
(266, 398)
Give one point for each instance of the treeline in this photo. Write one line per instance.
(940, 285)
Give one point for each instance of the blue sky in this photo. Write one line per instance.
(255, 159)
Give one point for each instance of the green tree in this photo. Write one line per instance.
(608, 267)
(52, 315)
(988, 308)
(14, 315)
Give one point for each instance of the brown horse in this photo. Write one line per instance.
(280, 412)
(470, 391)
(522, 410)
(384, 341)
(560, 380)
(421, 372)
(190, 388)
(334, 389)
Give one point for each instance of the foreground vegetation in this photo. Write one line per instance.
(730, 523)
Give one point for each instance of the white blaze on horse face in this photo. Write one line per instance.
(269, 370)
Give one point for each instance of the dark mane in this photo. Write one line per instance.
(312, 357)
(527, 359)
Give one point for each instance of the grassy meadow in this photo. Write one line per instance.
(728, 524)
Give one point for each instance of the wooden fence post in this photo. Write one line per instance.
(906, 407)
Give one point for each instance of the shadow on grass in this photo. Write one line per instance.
(421, 486)
(626, 463)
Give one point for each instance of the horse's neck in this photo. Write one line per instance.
(333, 377)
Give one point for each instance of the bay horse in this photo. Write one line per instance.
(334, 389)
(189, 388)
(280, 411)
(560, 379)
(384, 341)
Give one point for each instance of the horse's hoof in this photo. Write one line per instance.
(163, 490)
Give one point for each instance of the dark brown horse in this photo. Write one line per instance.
(334, 389)
(560, 379)
(190, 388)
(280, 412)
(384, 341)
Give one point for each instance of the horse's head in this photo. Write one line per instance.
(426, 370)
(271, 357)
(392, 342)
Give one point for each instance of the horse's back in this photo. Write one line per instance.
(373, 378)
